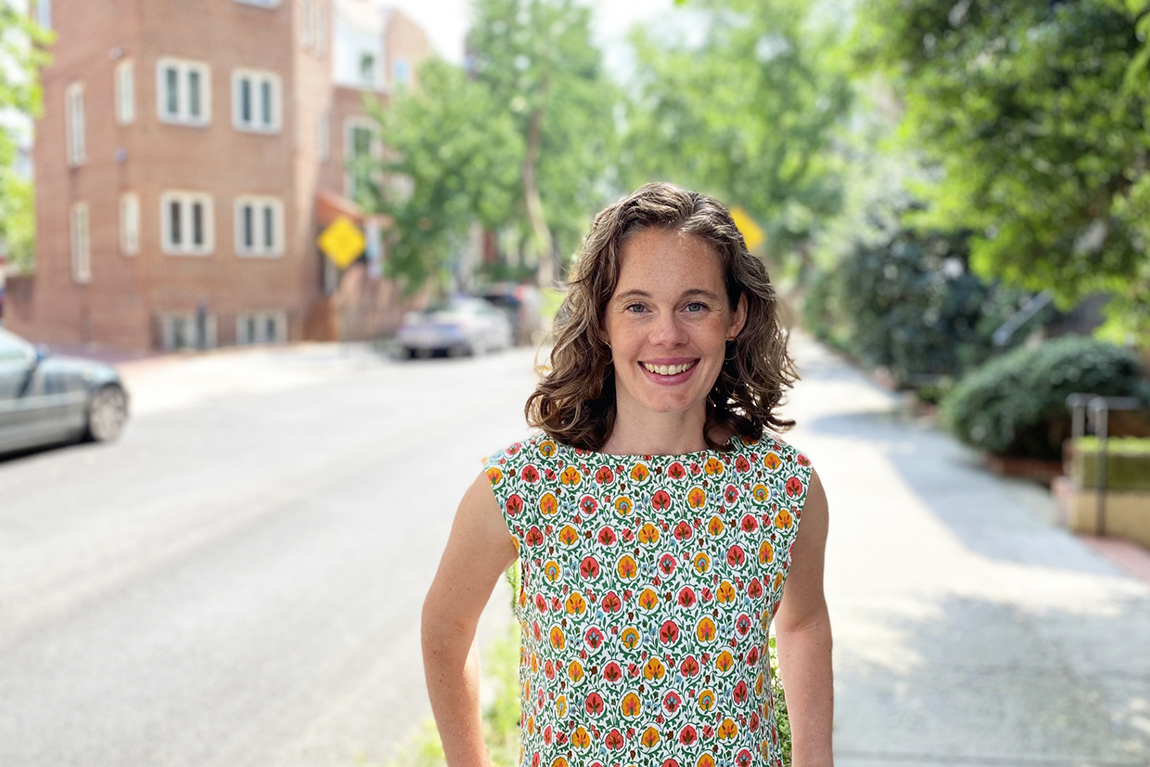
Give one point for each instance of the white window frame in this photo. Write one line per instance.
(349, 126)
(305, 24)
(190, 322)
(321, 28)
(81, 243)
(186, 200)
(257, 79)
(323, 136)
(279, 319)
(44, 13)
(130, 224)
(259, 247)
(184, 68)
(75, 124)
(126, 92)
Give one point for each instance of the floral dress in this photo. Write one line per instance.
(648, 587)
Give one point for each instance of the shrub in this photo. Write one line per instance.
(1016, 404)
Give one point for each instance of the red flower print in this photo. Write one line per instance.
(594, 704)
(689, 666)
(514, 504)
(668, 632)
(549, 475)
(743, 758)
(794, 487)
(549, 669)
(753, 656)
(588, 505)
(628, 535)
(736, 556)
(749, 524)
(682, 531)
(614, 739)
(688, 735)
(803, 460)
(686, 596)
(607, 536)
(743, 624)
(708, 733)
(547, 735)
(706, 594)
(593, 638)
(529, 474)
(535, 759)
(742, 464)
(589, 568)
(611, 603)
(740, 693)
(661, 501)
(695, 470)
(666, 564)
(540, 603)
(754, 721)
(676, 471)
(731, 494)
(671, 702)
(534, 536)
(671, 763)
(604, 476)
(612, 672)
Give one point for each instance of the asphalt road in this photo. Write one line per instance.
(237, 581)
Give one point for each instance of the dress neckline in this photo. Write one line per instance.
(694, 455)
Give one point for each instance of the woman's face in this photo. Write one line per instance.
(667, 323)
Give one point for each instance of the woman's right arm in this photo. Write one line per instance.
(479, 549)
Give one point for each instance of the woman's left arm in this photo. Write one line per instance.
(803, 633)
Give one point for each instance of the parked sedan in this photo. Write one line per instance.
(460, 325)
(47, 400)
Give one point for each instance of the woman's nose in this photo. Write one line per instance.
(668, 331)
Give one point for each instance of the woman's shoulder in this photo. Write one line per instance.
(538, 447)
(775, 452)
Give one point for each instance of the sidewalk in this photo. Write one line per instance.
(969, 628)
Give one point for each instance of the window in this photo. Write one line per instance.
(186, 223)
(184, 92)
(256, 101)
(74, 102)
(320, 29)
(323, 136)
(259, 226)
(400, 71)
(187, 330)
(261, 327)
(125, 92)
(367, 68)
(305, 24)
(44, 13)
(129, 224)
(81, 246)
(360, 145)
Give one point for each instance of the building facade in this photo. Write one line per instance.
(187, 156)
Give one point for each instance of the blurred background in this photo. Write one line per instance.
(275, 276)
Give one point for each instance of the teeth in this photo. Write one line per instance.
(668, 370)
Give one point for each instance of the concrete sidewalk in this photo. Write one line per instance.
(969, 628)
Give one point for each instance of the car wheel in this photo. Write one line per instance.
(107, 412)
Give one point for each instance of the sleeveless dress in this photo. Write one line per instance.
(648, 587)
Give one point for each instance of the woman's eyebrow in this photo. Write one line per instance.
(692, 293)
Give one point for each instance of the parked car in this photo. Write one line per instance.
(459, 325)
(523, 305)
(47, 400)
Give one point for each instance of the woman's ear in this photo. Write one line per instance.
(739, 317)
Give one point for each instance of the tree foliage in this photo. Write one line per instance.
(747, 112)
(1037, 117)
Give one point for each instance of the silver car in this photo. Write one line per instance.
(459, 325)
(46, 400)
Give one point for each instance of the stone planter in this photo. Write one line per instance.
(1126, 513)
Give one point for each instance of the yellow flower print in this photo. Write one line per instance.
(715, 526)
(728, 729)
(552, 571)
(654, 669)
(705, 631)
(725, 662)
(648, 599)
(706, 700)
(650, 737)
(576, 604)
(759, 682)
(631, 706)
(568, 535)
(558, 638)
(629, 637)
(713, 466)
(548, 505)
(697, 498)
(726, 593)
(547, 448)
(575, 671)
(570, 476)
(623, 505)
(580, 738)
(559, 762)
(778, 581)
(706, 760)
(627, 568)
(783, 519)
(494, 475)
(534, 663)
(766, 553)
(772, 461)
(561, 706)
(640, 472)
(760, 493)
(702, 563)
(530, 725)
(648, 533)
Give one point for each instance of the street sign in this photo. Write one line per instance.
(342, 242)
(752, 234)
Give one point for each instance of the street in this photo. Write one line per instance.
(238, 580)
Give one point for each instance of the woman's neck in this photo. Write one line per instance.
(657, 434)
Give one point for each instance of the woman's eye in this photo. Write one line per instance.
(695, 307)
(635, 308)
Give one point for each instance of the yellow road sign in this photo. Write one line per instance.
(752, 234)
(342, 242)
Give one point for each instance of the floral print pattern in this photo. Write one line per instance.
(648, 587)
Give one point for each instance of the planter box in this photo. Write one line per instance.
(1127, 513)
(1124, 470)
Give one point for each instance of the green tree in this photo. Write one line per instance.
(21, 50)
(748, 112)
(1035, 115)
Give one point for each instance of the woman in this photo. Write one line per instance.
(655, 520)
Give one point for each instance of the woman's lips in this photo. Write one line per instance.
(670, 378)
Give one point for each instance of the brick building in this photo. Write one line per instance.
(187, 156)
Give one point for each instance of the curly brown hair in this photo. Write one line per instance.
(575, 402)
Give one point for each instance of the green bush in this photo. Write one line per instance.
(1015, 405)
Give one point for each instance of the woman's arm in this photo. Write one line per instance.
(803, 633)
(478, 550)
